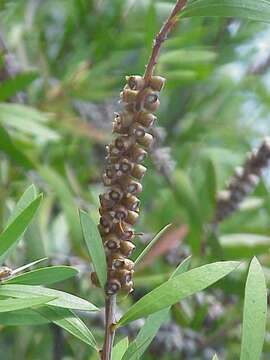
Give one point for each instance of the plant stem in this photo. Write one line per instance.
(109, 330)
(161, 37)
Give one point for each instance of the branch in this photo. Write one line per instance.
(162, 37)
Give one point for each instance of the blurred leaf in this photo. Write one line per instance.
(44, 276)
(17, 227)
(255, 313)
(95, 246)
(215, 357)
(27, 120)
(178, 288)
(237, 246)
(258, 10)
(18, 304)
(64, 300)
(64, 194)
(150, 245)
(152, 323)
(67, 320)
(13, 151)
(187, 56)
(17, 83)
(119, 349)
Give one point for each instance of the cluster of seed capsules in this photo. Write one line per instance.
(124, 171)
(243, 181)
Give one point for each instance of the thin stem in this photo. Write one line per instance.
(161, 37)
(109, 329)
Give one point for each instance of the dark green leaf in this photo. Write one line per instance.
(17, 83)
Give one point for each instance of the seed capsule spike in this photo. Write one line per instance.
(123, 174)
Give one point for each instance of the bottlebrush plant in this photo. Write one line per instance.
(25, 296)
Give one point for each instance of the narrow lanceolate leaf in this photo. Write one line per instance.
(27, 266)
(22, 317)
(17, 227)
(95, 246)
(258, 10)
(178, 288)
(255, 313)
(25, 200)
(19, 304)
(149, 330)
(119, 349)
(67, 320)
(44, 276)
(17, 83)
(12, 151)
(151, 244)
(64, 300)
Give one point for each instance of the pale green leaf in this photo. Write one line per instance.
(119, 349)
(95, 246)
(67, 320)
(17, 227)
(151, 244)
(19, 304)
(64, 300)
(258, 10)
(178, 288)
(44, 276)
(255, 313)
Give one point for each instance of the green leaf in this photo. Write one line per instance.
(18, 226)
(25, 200)
(17, 83)
(13, 151)
(67, 202)
(177, 289)
(22, 318)
(255, 313)
(152, 324)
(119, 349)
(151, 244)
(67, 320)
(44, 276)
(28, 121)
(187, 56)
(95, 246)
(215, 357)
(64, 300)
(18, 304)
(26, 266)
(238, 246)
(27, 197)
(258, 10)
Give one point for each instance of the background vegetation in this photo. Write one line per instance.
(71, 58)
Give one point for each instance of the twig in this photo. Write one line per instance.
(109, 330)
(161, 37)
(58, 342)
(159, 40)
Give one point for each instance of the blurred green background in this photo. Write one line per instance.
(68, 60)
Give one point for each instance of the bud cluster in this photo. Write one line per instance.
(119, 208)
(243, 181)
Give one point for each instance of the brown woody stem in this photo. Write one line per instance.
(161, 37)
(159, 40)
(109, 330)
